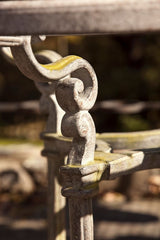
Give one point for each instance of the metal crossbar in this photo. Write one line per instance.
(58, 17)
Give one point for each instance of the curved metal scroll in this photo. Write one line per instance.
(76, 95)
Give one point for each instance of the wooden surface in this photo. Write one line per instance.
(58, 17)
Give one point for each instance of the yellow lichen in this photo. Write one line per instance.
(60, 64)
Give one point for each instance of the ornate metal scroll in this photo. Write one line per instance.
(76, 96)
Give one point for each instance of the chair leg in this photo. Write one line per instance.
(81, 219)
(56, 202)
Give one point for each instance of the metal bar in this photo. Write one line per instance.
(144, 160)
(81, 219)
(132, 140)
(56, 203)
(58, 17)
(122, 107)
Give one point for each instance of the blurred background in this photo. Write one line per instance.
(128, 71)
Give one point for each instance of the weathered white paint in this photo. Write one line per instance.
(59, 17)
